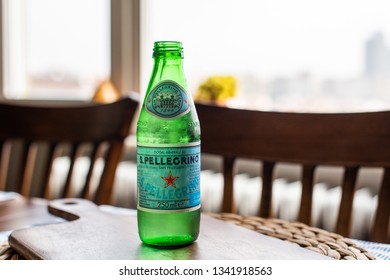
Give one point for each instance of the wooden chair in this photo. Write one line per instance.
(351, 140)
(90, 130)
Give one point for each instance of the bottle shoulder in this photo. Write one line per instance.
(181, 130)
(190, 118)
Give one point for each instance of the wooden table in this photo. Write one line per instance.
(114, 236)
(19, 212)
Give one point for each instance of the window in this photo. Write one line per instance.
(287, 55)
(55, 49)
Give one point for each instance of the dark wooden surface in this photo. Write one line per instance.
(350, 140)
(93, 234)
(87, 129)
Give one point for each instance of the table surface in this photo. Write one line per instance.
(217, 239)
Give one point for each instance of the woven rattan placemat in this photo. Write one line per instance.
(312, 238)
(7, 253)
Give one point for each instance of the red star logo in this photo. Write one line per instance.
(170, 180)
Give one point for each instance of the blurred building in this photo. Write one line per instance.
(377, 56)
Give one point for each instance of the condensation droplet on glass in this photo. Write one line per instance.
(165, 126)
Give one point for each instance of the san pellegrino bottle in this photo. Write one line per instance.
(168, 154)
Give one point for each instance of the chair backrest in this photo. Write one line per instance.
(92, 130)
(350, 140)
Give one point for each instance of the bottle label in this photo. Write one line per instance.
(168, 178)
(167, 100)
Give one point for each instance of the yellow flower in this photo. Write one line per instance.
(217, 88)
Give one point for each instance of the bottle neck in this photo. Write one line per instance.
(168, 60)
(168, 63)
(168, 67)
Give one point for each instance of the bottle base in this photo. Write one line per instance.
(168, 230)
(167, 241)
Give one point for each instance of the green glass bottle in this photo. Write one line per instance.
(168, 154)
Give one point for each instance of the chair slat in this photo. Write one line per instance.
(23, 182)
(113, 154)
(68, 191)
(46, 192)
(5, 166)
(228, 204)
(305, 210)
(2, 183)
(266, 193)
(93, 157)
(31, 157)
(380, 231)
(344, 221)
